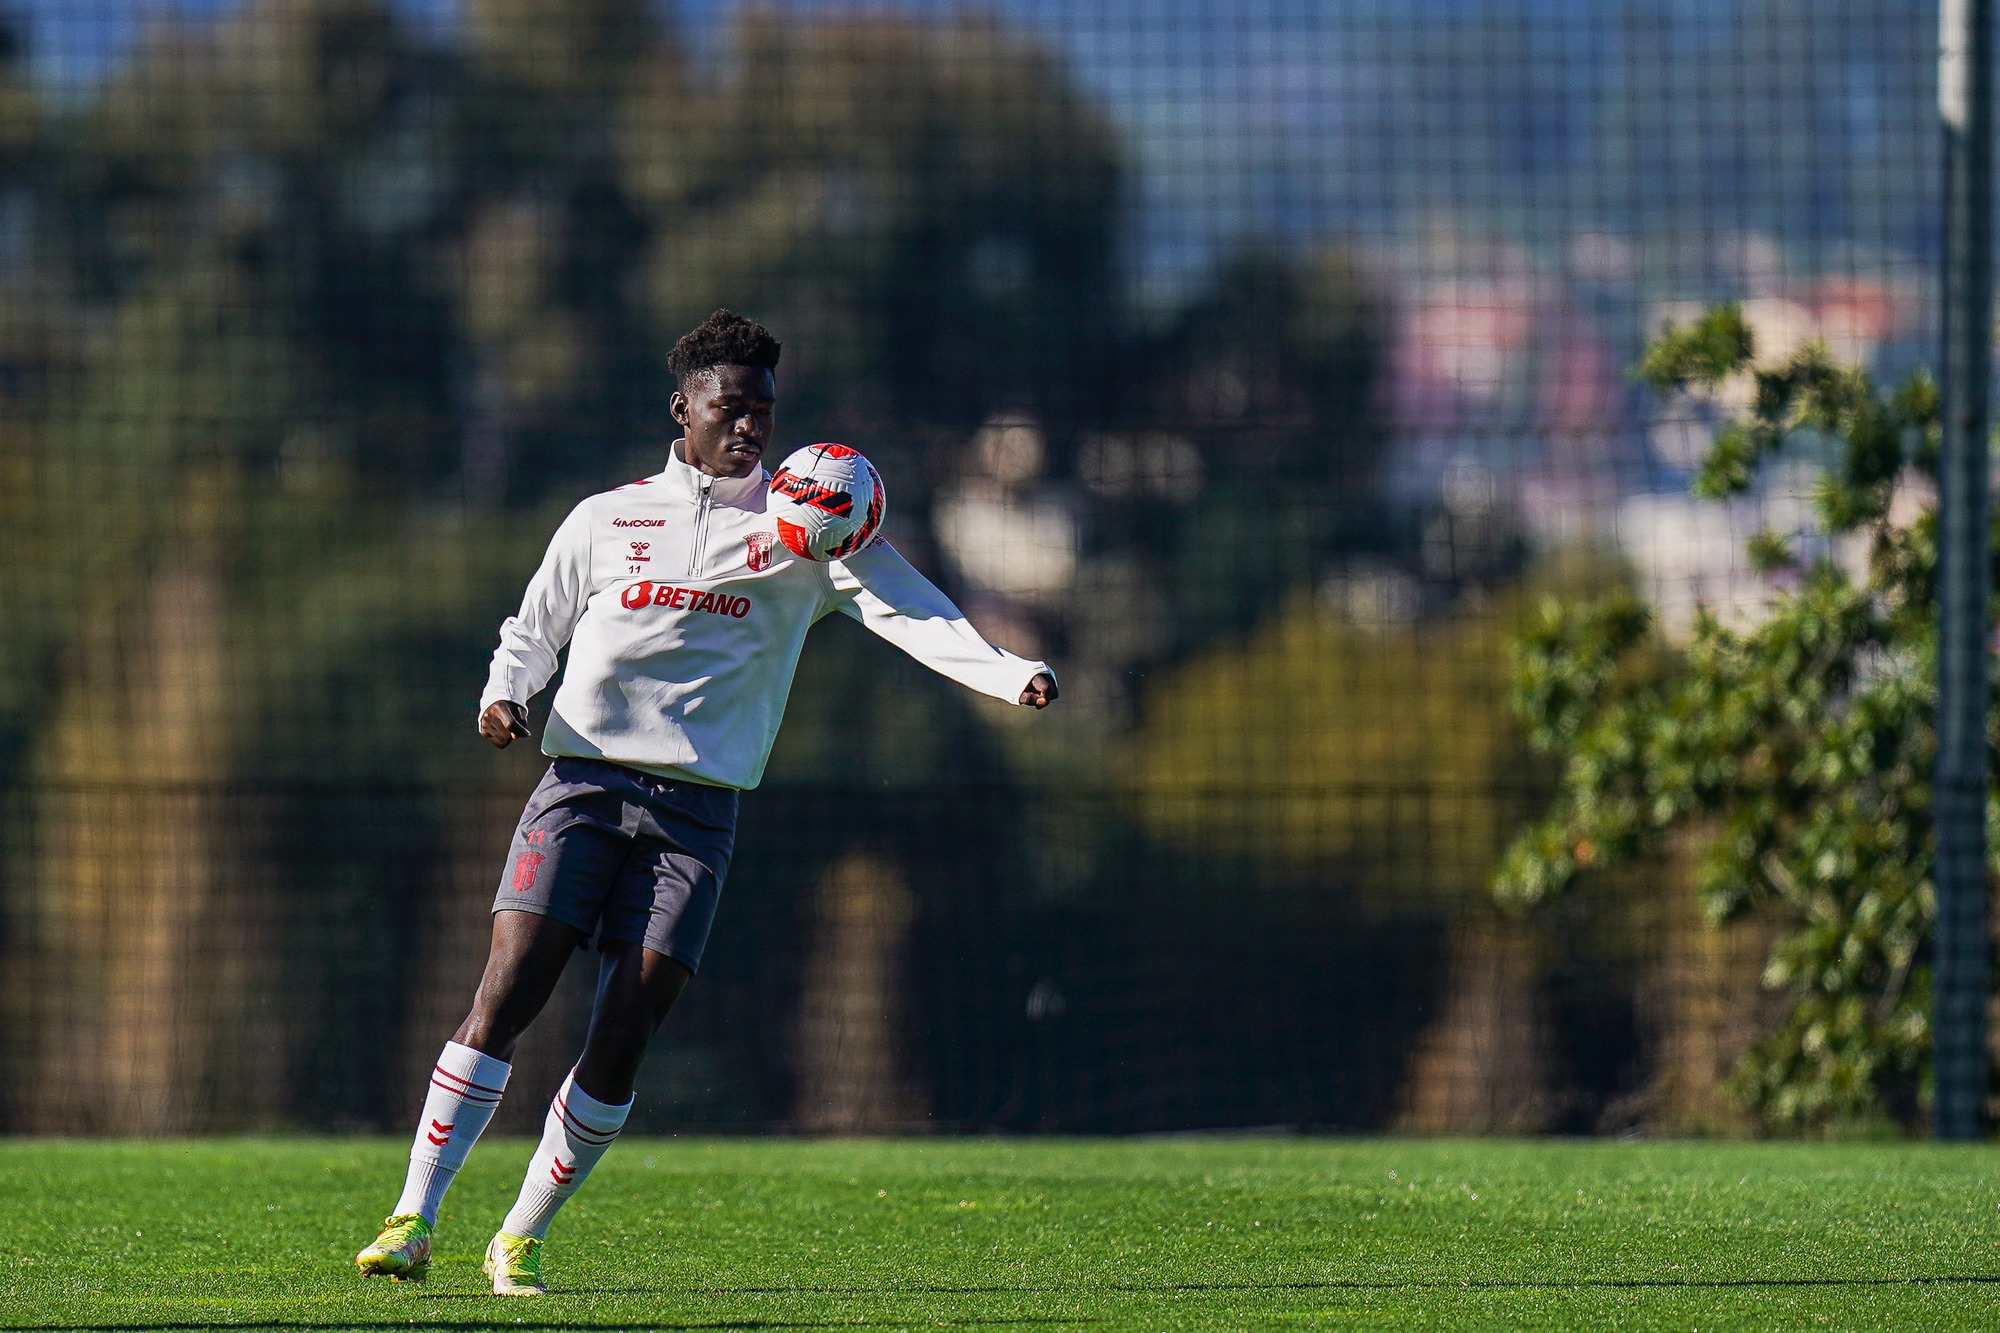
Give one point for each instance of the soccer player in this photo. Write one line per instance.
(684, 620)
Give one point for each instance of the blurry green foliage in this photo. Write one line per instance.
(1323, 745)
(1796, 750)
(932, 206)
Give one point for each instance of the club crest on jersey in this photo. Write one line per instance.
(759, 550)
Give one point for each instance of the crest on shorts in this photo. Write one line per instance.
(759, 544)
(526, 866)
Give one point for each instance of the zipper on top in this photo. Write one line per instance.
(701, 525)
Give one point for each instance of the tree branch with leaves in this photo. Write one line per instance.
(1794, 752)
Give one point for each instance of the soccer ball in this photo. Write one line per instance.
(828, 501)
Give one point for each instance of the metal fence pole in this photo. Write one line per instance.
(1959, 1018)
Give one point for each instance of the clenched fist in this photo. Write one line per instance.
(1041, 691)
(504, 722)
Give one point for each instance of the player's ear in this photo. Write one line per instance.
(677, 407)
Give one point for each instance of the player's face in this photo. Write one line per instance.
(725, 415)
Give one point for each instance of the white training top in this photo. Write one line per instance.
(685, 617)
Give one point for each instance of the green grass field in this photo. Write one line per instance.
(1149, 1234)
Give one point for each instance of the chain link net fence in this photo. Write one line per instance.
(1258, 365)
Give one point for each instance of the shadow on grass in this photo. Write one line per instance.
(1346, 1284)
(506, 1325)
(723, 1326)
(493, 1325)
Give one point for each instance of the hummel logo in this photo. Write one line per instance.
(439, 1132)
(561, 1174)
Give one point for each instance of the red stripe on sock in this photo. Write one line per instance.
(596, 1138)
(465, 1097)
(577, 1127)
(456, 1078)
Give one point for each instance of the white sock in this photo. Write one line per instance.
(465, 1092)
(579, 1130)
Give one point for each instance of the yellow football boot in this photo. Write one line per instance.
(402, 1253)
(515, 1265)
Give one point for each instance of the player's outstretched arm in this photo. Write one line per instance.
(883, 591)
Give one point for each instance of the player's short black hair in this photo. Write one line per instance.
(725, 338)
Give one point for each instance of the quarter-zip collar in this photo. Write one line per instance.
(689, 482)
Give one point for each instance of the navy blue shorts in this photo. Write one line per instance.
(623, 854)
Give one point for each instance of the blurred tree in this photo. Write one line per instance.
(1797, 751)
(25, 336)
(1284, 348)
(927, 209)
(578, 52)
(1375, 760)
(218, 413)
(1273, 374)
(1319, 744)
